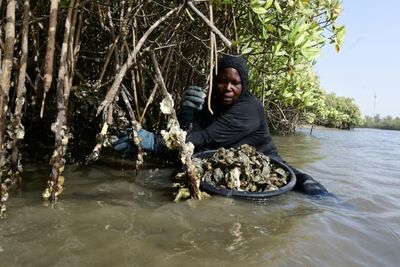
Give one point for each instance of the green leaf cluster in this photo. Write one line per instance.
(339, 112)
(282, 40)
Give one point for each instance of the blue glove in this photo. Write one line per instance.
(147, 140)
(125, 144)
(192, 100)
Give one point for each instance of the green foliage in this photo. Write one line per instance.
(340, 112)
(282, 40)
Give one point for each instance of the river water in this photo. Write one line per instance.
(109, 217)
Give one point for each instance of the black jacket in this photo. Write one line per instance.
(242, 123)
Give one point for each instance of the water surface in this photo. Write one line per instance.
(109, 217)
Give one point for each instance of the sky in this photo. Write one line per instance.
(369, 61)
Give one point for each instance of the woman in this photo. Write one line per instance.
(238, 118)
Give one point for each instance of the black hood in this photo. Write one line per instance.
(231, 61)
(239, 63)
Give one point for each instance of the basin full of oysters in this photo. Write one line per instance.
(242, 172)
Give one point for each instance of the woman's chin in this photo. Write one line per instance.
(227, 101)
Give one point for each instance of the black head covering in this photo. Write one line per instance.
(230, 61)
(239, 63)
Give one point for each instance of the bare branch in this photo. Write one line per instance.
(118, 79)
(19, 130)
(5, 82)
(49, 62)
(210, 24)
(186, 157)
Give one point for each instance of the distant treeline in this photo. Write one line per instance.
(337, 112)
(343, 113)
(388, 122)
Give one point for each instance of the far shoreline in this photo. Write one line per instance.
(309, 126)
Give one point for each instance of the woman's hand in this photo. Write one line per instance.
(126, 146)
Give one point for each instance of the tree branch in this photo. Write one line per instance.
(210, 24)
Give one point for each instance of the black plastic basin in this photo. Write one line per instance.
(216, 190)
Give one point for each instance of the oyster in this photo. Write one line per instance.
(217, 174)
(242, 169)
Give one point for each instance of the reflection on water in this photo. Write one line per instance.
(109, 217)
(299, 149)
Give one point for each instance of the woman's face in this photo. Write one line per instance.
(229, 86)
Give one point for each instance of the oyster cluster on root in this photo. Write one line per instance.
(242, 169)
